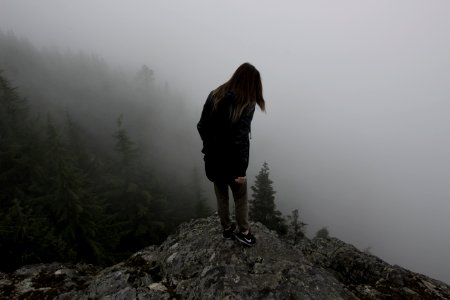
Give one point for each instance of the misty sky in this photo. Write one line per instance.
(357, 130)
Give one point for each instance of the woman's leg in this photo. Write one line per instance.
(223, 209)
(241, 205)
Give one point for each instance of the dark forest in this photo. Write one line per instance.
(89, 169)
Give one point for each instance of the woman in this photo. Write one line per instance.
(225, 128)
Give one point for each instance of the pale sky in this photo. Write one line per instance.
(357, 130)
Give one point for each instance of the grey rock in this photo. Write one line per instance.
(157, 286)
(45, 281)
(369, 277)
(197, 263)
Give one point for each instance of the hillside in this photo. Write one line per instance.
(196, 263)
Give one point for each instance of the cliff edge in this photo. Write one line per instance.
(197, 263)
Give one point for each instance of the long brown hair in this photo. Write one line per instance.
(247, 88)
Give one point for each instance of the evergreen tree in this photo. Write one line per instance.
(125, 148)
(137, 209)
(145, 76)
(22, 232)
(70, 200)
(323, 233)
(13, 110)
(14, 145)
(262, 206)
(296, 230)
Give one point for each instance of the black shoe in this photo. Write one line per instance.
(246, 239)
(228, 233)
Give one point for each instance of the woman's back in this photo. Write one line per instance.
(225, 128)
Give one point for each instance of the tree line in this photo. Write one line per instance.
(63, 201)
(90, 164)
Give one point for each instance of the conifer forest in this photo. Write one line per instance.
(87, 159)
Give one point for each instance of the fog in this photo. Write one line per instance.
(356, 132)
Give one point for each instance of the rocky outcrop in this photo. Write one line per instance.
(196, 263)
(369, 277)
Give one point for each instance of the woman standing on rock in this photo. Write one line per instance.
(225, 128)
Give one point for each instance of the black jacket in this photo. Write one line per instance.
(226, 144)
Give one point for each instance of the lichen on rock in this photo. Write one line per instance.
(197, 263)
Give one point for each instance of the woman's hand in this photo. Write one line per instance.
(240, 180)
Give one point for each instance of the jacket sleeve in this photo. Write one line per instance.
(204, 125)
(241, 143)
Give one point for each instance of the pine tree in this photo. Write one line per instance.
(262, 206)
(22, 233)
(70, 201)
(15, 148)
(138, 211)
(323, 233)
(296, 230)
(125, 148)
(145, 76)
